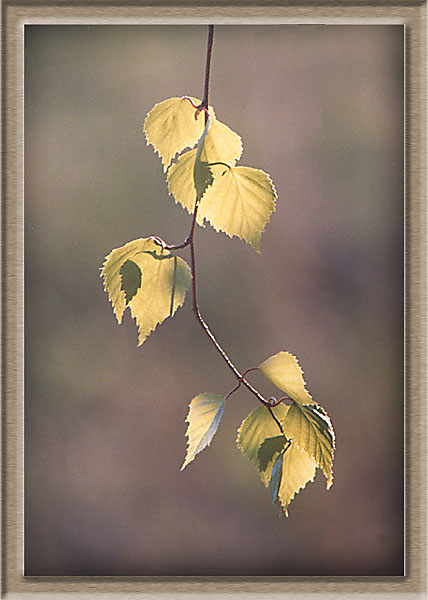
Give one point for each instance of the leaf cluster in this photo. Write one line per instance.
(289, 439)
(286, 449)
(233, 199)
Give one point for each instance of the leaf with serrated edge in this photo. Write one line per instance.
(110, 272)
(313, 432)
(171, 126)
(239, 203)
(164, 281)
(205, 412)
(284, 371)
(220, 144)
(180, 180)
(202, 174)
(298, 468)
(256, 427)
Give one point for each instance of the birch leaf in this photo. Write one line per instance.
(298, 468)
(205, 412)
(256, 428)
(220, 144)
(311, 430)
(171, 126)
(284, 371)
(148, 279)
(239, 203)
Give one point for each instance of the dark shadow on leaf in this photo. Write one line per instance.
(268, 449)
(130, 276)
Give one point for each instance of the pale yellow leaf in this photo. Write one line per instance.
(257, 427)
(163, 283)
(240, 203)
(311, 430)
(205, 412)
(284, 371)
(180, 180)
(220, 144)
(110, 273)
(171, 126)
(298, 468)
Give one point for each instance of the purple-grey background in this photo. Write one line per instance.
(321, 110)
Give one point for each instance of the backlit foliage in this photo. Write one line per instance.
(287, 439)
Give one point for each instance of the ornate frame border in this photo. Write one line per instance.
(413, 14)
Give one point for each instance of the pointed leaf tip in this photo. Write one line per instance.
(192, 174)
(298, 469)
(204, 416)
(312, 431)
(284, 371)
(170, 126)
(240, 203)
(149, 280)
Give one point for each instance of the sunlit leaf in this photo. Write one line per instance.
(180, 180)
(110, 273)
(203, 177)
(298, 468)
(171, 126)
(240, 203)
(311, 430)
(256, 428)
(221, 144)
(258, 439)
(187, 175)
(153, 286)
(205, 412)
(284, 371)
(202, 174)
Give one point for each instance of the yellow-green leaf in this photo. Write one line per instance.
(205, 412)
(284, 371)
(148, 279)
(256, 428)
(240, 203)
(311, 430)
(298, 468)
(171, 126)
(180, 180)
(112, 278)
(258, 439)
(220, 144)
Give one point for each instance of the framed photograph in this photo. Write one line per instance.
(206, 210)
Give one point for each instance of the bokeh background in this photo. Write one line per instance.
(320, 108)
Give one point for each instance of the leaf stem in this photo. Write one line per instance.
(208, 68)
(189, 241)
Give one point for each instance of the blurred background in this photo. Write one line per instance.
(320, 108)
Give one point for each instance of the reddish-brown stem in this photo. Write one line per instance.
(204, 103)
(189, 241)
